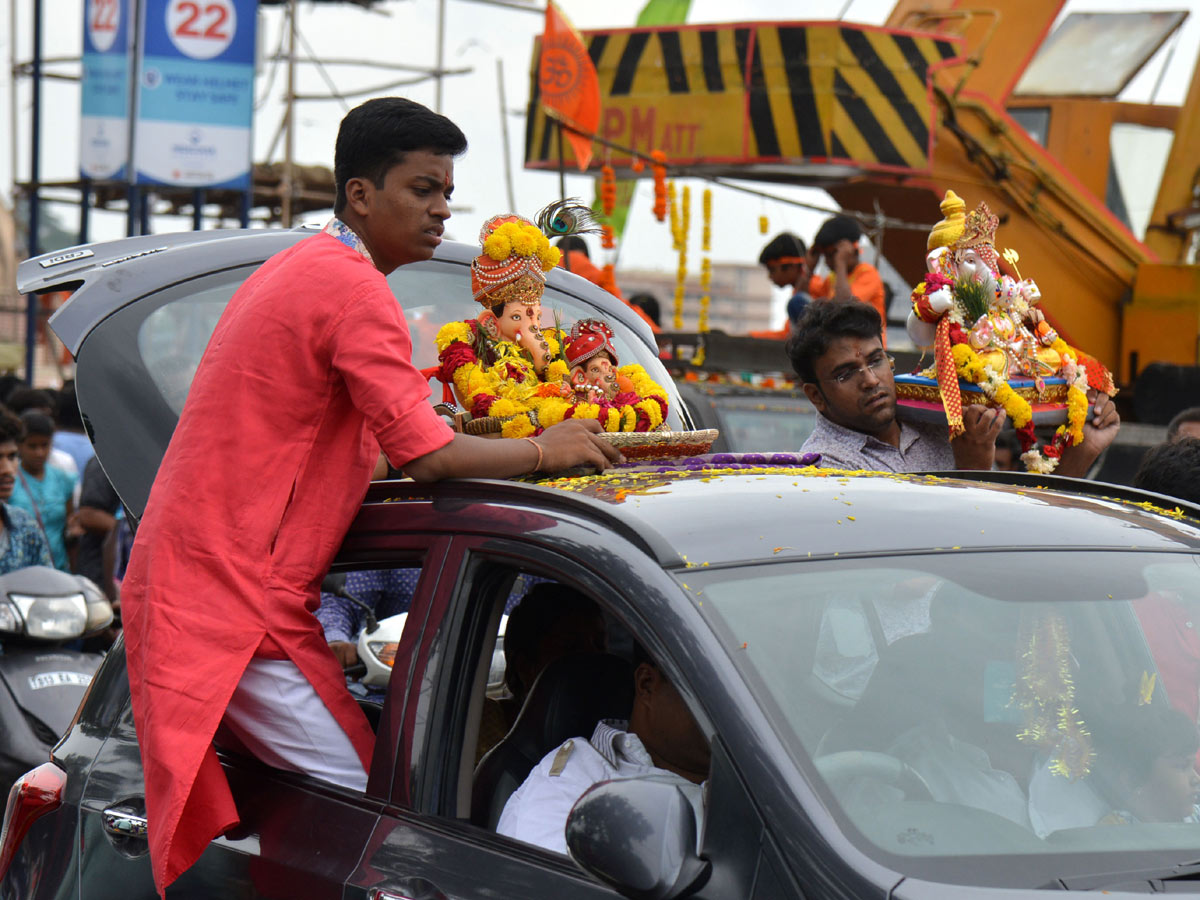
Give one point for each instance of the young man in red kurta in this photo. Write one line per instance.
(307, 375)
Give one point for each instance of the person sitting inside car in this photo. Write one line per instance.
(838, 353)
(550, 622)
(661, 738)
(1146, 758)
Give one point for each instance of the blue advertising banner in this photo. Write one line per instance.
(104, 110)
(196, 93)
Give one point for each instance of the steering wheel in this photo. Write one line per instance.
(839, 769)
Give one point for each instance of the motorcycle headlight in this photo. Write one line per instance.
(385, 652)
(10, 621)
(52, 618)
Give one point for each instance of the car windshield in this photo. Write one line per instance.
(171, 338)
(959, 710)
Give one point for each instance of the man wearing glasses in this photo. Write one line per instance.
(838, 353)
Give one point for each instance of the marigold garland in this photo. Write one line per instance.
(659, 168)
(522, 240)
(608, 190)
(997, 389)
(509, 388)
(705, 265)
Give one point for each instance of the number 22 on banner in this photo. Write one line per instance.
(104, 17)
(201, 29)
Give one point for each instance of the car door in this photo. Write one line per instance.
(426, 846)
(298, 836)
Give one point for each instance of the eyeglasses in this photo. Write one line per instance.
(875, 366)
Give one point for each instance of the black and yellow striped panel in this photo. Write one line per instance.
(719, 97)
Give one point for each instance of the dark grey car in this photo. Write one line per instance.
(912, 686)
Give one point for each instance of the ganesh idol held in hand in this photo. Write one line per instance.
(505, 366)
(991, 342)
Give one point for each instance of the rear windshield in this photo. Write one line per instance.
(171, 339)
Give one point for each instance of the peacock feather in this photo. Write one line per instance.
(569, 216)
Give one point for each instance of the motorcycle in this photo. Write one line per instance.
(41, 610)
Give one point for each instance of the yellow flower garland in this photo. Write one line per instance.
(971, 368)
(522, 402)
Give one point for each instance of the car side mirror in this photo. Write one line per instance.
(638, 836)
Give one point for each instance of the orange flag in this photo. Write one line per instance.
(567, 81)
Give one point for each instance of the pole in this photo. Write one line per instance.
(197, 209)
(441, 52)
(13, 104)
(144, 212)
(508, 178)
(245, 211)
(135, 78)
(35, 175)
(562, 185)
(85, 207)
(289, 138)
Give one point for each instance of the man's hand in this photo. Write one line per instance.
(344, 652)
(975, 448)
(576, 442)
(1099, 431)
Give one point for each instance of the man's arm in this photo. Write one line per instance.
(340, 620)
(571, 443)
(843, 264)
(975, 448)
(1098, 433)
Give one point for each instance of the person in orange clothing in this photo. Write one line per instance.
(786, 261)
(849, 277)
(576, 259)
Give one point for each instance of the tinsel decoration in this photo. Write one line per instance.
(1045, 693)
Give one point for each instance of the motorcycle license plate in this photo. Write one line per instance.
(58, 679)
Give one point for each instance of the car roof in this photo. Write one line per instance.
(689, 516)
(106, 276)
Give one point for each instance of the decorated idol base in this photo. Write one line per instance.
(918, 400)
(642, 445)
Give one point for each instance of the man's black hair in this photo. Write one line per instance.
(782, 245)
(1129, 738)
(538, 612)
(1172, 468)
(67, 415)
(24, 398)
(11, 428)
(648, 303)
(1191, 414)
(375, 136)
(824, 322)
(37, 424)
(573, 242)
(839, 228)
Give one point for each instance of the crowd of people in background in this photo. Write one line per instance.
(60, 485)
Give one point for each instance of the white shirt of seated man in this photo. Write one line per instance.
(662, 739)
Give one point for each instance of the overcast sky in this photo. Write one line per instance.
(476, 36)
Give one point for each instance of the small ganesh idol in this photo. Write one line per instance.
(504, 367)
(593, 362)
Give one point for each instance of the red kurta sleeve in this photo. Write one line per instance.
(370, 347)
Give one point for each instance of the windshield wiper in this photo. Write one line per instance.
(1132, 880)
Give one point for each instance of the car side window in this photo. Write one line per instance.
(544, 664)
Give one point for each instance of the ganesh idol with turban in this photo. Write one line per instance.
(505, 367)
